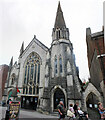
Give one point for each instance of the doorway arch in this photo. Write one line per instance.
(92, 100)
(58, 96)
(92, 106)
(90, 90)
(55, 90)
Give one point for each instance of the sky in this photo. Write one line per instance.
(20, 20)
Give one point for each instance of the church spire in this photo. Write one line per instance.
(60, 31)
(59, 21)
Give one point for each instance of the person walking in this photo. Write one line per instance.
(70, 112)
(76, 108)
(101, 110)
(61, 110)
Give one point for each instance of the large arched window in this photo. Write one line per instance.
(32, 74)
(55, 64)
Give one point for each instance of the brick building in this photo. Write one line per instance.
(3, 76)
(96, 59)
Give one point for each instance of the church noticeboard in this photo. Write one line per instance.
(14, 110)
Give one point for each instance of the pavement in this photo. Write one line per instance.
(2, 112)
(26, 114)
(30, 115)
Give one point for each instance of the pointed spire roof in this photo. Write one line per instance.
(59, 21)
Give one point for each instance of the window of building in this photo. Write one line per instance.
(12, 82)
(12, 79)
(57, 36)
(60, 64)
(32, 74)
(55, 64)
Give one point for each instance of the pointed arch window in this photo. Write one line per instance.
(55, 64)
(32, 74)
(13, 78)
(58, 33)
(60, 64)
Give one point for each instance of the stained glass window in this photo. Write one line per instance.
(32, 74)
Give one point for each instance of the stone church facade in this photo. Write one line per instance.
(45, 75)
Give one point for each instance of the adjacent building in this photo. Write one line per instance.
(3, 77)
(96, 59)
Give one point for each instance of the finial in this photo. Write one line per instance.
(11, 62)
(59, 6)
(22, 48)
(34, 36)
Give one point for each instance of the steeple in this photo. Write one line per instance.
(59, 21)
(60, 31)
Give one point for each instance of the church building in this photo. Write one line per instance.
(44, 76)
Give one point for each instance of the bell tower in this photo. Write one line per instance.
(61, 80)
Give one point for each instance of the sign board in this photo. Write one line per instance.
(14, 109)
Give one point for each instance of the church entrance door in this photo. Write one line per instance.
(91, 102)
(58, 96)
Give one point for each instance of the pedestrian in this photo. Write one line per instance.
(61, 110)
(7, 115)
(70, 112)
(71, 108)
(101, 110)
(76, 108)
(81, 113)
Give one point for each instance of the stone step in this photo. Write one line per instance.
(54, 113)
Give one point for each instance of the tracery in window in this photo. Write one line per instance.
(32, 74)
